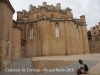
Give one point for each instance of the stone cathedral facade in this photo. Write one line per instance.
(48, 30)
(45, 30)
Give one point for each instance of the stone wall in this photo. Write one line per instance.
(6, 14)
(16, 43)
(32, 44)
(74, 41)
(94, 47)
(94, 43)
(58, 44)
(95, 32)
(72, 32)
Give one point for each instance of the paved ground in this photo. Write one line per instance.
(22, 63)
(75, 66)
(90, 59)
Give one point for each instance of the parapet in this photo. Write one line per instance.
(23, 12)
(30, 7)
(82, 18)
(44, 4)
(19, 12)
(44, 9)
(19, 15)
(67, 8)
(69, 14)
(58, 6)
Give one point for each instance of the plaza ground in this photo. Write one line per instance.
(59, 62)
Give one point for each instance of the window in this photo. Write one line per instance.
(7, 48)
(31, 31)
(93, 27)
(57, 29)
(22, 43)
(94, 32)
(99, 31)
(77, 31)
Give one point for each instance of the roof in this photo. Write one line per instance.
(8, 4)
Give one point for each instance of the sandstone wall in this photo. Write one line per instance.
(6, 13)
(58, 44)
(85, 39)
(74, 40)
(32, 44)
(94, 47)
(16, 43)
(72, 34)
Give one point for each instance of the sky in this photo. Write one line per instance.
(89, 8)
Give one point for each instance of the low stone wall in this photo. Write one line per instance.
(94, 46)
(44, 65)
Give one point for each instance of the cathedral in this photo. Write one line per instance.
(48, 30)
(45, 30)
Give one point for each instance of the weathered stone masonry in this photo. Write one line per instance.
(94, 43)
(44, 31)
(6, 14)
(49, 30)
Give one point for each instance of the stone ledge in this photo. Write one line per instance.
(49, 64)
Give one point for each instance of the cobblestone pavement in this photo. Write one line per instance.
(25, 63)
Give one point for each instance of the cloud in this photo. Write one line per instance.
(89, 8)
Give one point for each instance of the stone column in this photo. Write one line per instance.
(69, 14)
(44, 4)
(30, 7)
(58, 6)
(16, 42)
(23, 12)
(46, 37)
(82, 19)
(19, 15)
(84, 31)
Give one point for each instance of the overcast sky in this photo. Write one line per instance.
(89, 8)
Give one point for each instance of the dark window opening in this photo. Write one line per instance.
(93, 27)
(22, 43)
(99, 31)
(31, 31)
(57, 30)
(77, 31)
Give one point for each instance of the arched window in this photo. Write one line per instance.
(77, 31)
(57, 29)
(31, 31)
